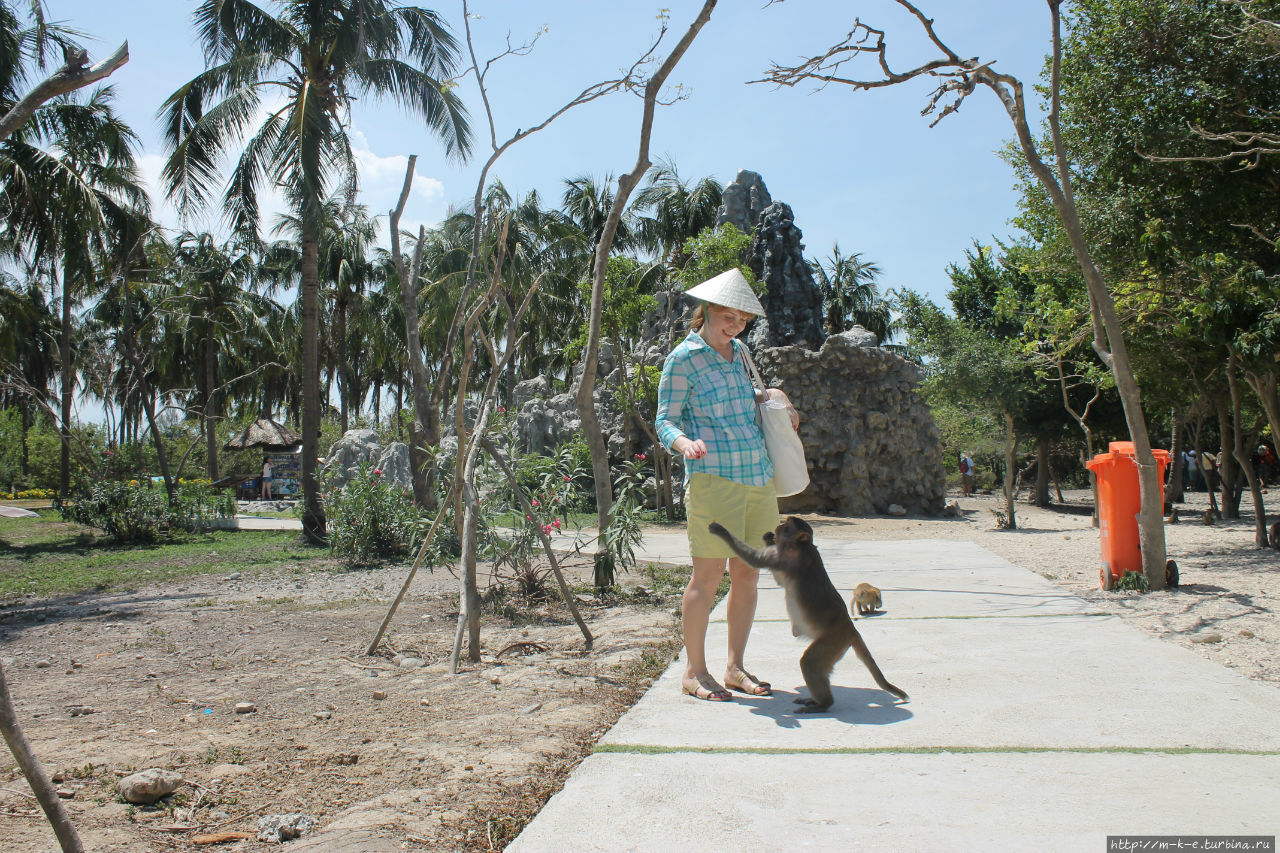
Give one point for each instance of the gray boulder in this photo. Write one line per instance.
(148, 786)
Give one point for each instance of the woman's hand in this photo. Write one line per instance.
(689, 448)
(779, 394)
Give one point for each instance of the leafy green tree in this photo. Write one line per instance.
(319, 56)
(968, 368)
(714, 250)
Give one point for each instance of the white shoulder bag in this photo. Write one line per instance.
(786, 451)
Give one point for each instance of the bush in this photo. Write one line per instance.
(127, 512)
(133, 512)
(195, 504)
(370, 519)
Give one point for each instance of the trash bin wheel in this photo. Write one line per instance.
(1171, 574)
(1105, 578)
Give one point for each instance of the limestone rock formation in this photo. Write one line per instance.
(869, 437)
(362, 447)
(743, 201)
(792, 300)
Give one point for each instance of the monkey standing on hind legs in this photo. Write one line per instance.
(814, 605)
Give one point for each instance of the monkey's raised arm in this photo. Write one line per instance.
(759, 558)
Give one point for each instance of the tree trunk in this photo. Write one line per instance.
(1228, 473)
(344, 378)
(1173, 495)
(584, 393)
(67, 386)
(210, 403)
(1241, 454)
(36, 778)
(313, 522)
(1042, 472)
(1264, 385)
(1108, 341)
(1010, 466)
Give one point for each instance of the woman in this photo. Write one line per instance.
(707, 414)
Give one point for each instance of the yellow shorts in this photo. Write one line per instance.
(745, 511)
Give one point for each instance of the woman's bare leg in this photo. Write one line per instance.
(741, 609)
(699, 597)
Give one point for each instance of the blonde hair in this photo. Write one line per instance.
(699, 318)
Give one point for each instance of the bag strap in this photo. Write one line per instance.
(751, 366)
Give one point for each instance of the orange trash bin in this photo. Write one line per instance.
(1119, 502)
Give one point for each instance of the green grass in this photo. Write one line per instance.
(48, 557)
(571, 520)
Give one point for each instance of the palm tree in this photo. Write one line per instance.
(319, 56)
(347, 238)
(680, 211)
(586, 203)
(850, 296)
(75, 201)
(216, 307)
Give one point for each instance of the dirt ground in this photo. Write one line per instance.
(449, 762)
(383, 756)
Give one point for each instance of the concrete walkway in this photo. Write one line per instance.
(1034, 723)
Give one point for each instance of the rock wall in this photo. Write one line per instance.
(869, 437)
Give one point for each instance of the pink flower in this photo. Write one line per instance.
(566, 478)
(377, 472)
(546, 528)
(640, 456)
(535, 502)
(502, 409)
(528, 518)
(555, 522)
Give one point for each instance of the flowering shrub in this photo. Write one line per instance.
(551, 485)
(35, 494)
(370, 519)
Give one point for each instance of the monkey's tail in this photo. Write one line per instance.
(864, 654)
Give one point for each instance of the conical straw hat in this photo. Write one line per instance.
(729, 289)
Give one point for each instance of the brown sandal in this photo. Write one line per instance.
(748, 684)
(704, 687)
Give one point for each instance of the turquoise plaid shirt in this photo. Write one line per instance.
(701, 395)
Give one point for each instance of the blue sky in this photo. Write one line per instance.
(863, 169)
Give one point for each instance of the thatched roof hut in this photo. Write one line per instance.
(266, 434)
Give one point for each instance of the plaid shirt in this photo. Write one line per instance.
(701, 395)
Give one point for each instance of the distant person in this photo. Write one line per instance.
(265, 492)
(1193, 469)
(967, 473)
(1266, 464)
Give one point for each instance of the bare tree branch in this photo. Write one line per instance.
(74, 74)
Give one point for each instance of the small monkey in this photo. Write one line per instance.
(866, 598)
(1207, 519)
(1173, 516)
(814, 604)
